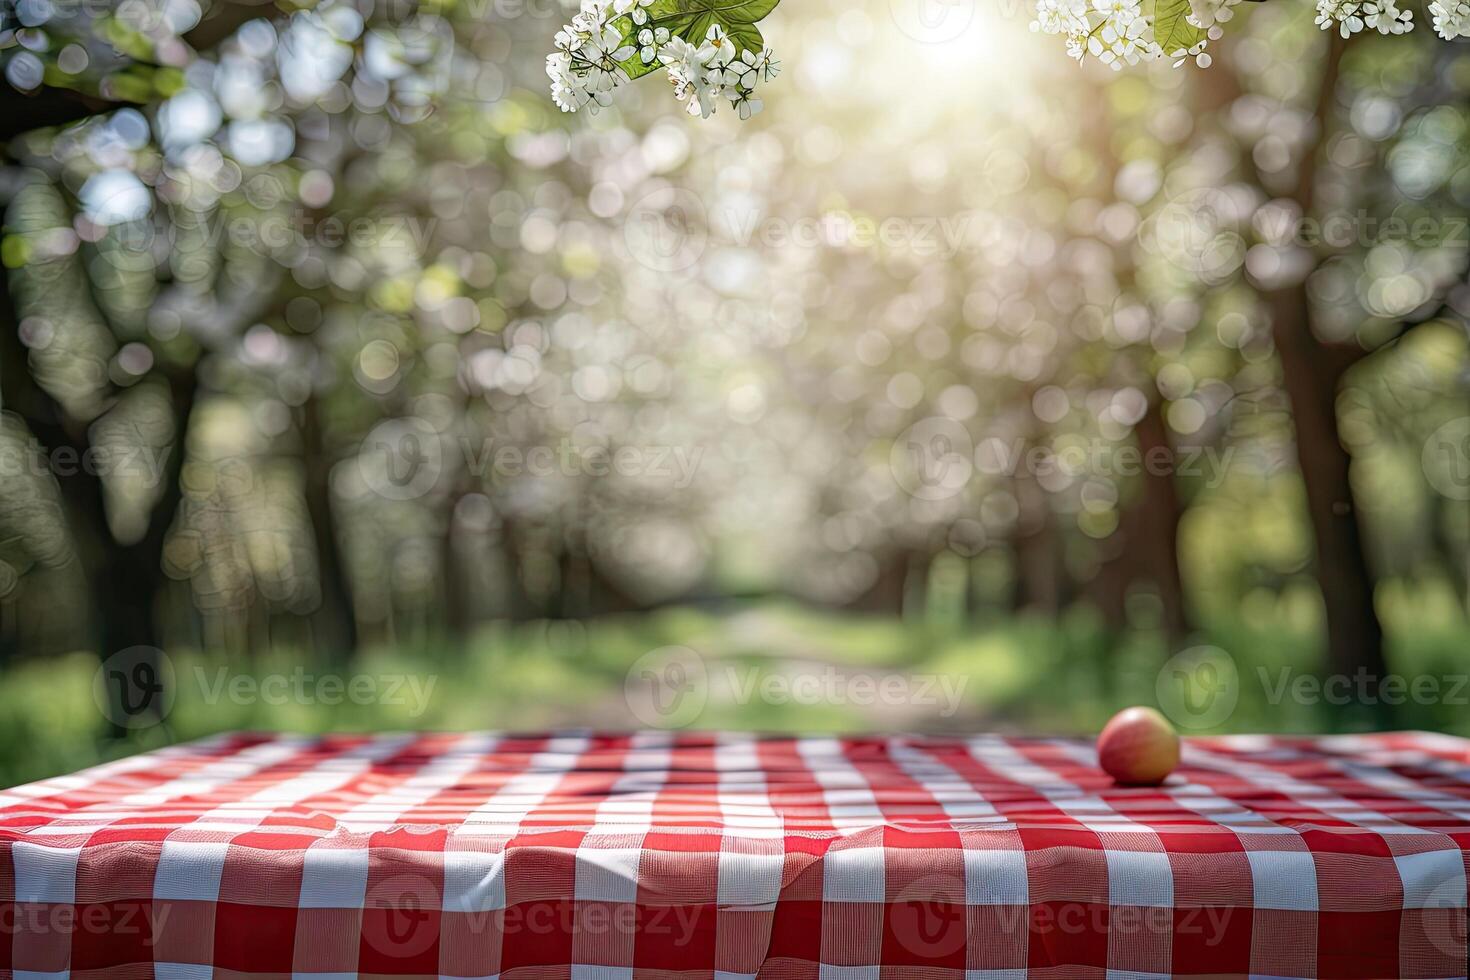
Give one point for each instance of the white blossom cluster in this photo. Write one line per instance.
(584, 69)
(1208, 13)
(1116, 32)
(703, 75)
(1451, 18)
(1352, 16)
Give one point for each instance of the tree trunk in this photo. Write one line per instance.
(916, 586)
(123, 579)
(12, 365)
(461, 557)
(521, 554)
(1456, 558)
(1354, 634)
(128, 584)
(10, 625)
(1312, 374)
(336, 626)
(1161, 515)
(886, 594)
(1151, 526)
(1039, 574)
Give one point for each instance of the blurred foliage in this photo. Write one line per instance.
(326, 332)
(1019, 674)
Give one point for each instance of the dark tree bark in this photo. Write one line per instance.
(886, 595)
(1455, 558)
(1107, 589)
(124, 580)
(1149, 532)
(21, 113)
(1040, 575)
(336, 625)
(129, 583)
(1161, 513)
(518, 541)
(1354, 633)
(1150, 529)
(458, 614)
(54, 106)
(224, 19)
(1312, 373)
(81, 494)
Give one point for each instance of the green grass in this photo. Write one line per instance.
(1021, 674)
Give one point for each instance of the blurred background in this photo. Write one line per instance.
(348, 384)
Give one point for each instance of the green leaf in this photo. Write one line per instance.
(692, 19)
(747, 37)
(727, 13)
(1172, 29)
(634, 67)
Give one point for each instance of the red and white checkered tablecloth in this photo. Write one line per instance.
(656, 856)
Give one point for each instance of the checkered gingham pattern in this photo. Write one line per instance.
(656, 856)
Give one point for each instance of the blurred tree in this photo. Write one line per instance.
(416, 351)
(1315, 361)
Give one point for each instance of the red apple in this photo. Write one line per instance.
(1138, 747)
